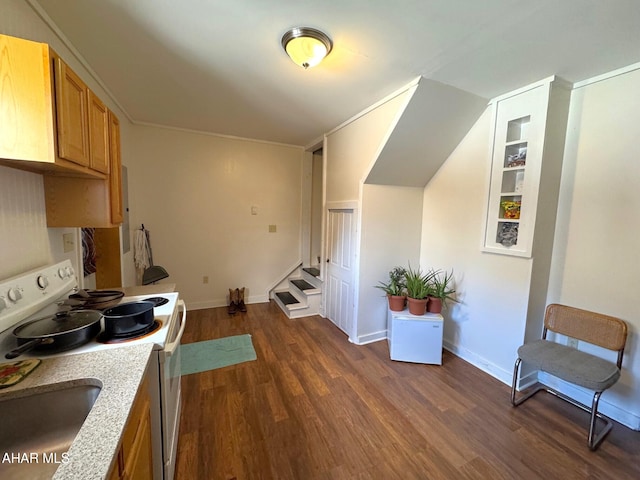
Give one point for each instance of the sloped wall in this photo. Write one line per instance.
(436, 118)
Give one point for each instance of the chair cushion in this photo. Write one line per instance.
(571, 365)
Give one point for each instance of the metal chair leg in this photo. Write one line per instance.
(515, 402)
(594, 440)
(516, 367)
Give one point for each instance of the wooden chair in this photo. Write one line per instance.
(572, 365)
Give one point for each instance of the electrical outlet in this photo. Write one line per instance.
(205, 279)
(572, 342)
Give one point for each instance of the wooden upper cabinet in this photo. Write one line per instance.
(98, 134)
(52, 123)
(72, 118)
(26, 102)
(88, 202)
(115, 177)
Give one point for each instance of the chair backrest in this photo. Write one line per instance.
(596, 328)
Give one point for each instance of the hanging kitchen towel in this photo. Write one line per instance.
(141, 250)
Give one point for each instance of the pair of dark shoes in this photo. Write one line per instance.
(236, 301)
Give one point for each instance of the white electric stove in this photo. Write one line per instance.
(41, 293)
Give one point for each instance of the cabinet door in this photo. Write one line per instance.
(115, 178)
(71, 114)
(140, 465)
(117, 470)
(26, 122)
(98, 134)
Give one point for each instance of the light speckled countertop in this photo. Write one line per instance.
(118, 371)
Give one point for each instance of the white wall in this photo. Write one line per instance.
(595, 252)
(596, 263)
(24, 243)
(315, 250)
(353, 147)
(194, 193)
(351, 151)
(487, 325)
(391, 223)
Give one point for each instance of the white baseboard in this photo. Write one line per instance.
(370, 337)
(482, 363)
(222, 302)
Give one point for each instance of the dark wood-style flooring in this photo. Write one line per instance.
(314, 406)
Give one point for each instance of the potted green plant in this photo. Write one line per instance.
(440, 290)
(417, 284)
(394, 289)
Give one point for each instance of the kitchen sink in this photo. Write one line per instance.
(37, 429)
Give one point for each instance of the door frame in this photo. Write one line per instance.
(353, 205)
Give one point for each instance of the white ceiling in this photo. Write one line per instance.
(217, 65)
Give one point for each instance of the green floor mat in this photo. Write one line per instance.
(218, 353)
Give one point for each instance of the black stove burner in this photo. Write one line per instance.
(157, 301)
(103, 337)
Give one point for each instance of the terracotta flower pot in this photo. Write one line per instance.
(434, 305)
(396, 302)
(417, 306)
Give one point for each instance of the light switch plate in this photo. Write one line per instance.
(272, 229)
(67, 242)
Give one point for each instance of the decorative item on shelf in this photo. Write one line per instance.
(417, 284)
(517, 159)
(440, 290)
(395, 289)
(507, 234)
(511, 209)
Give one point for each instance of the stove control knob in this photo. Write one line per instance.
(42, 281)
(3, 303)
(69, 271)
(62, 273)
(14, 294)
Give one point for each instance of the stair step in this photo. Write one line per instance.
(312, 271)
(302, 285)
(286, 298)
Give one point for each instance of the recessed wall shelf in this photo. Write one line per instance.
(526, 134)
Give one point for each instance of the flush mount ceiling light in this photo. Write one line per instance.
(306, 46)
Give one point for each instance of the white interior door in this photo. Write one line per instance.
(340, 268)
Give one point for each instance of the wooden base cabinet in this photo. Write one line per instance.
(134, 460)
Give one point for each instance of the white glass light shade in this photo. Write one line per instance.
(306, 46)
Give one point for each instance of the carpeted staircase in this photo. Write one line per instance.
(303, 297)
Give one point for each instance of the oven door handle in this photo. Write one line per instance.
(170, 348)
